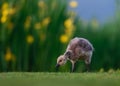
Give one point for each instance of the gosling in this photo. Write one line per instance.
(77, 49)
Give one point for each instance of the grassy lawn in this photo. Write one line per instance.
(59, 79)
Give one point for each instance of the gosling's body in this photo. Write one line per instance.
(77, 49)
(81, 49)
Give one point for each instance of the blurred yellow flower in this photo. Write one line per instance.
(41, 4)
(69, 27)
(37, 26)
(12, 11)
(64, 38)
(68, 31)
(5, 12)
(68, 23)
(30, 39)
(5, 6)
(73, 4)
(8, 55)
(3, 19)
(46, 21)
(27, 22)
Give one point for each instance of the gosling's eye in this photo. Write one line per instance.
(60, 61)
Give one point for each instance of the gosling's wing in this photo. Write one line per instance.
(85, 44)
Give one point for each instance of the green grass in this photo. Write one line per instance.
(59, 79)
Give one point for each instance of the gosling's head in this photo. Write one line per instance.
(61, 60)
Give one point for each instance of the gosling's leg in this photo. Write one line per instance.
(73, 66)
(87, 63)
(88, 67)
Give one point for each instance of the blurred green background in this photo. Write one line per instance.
(33, 33)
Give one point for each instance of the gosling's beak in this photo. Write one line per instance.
(57, 67)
